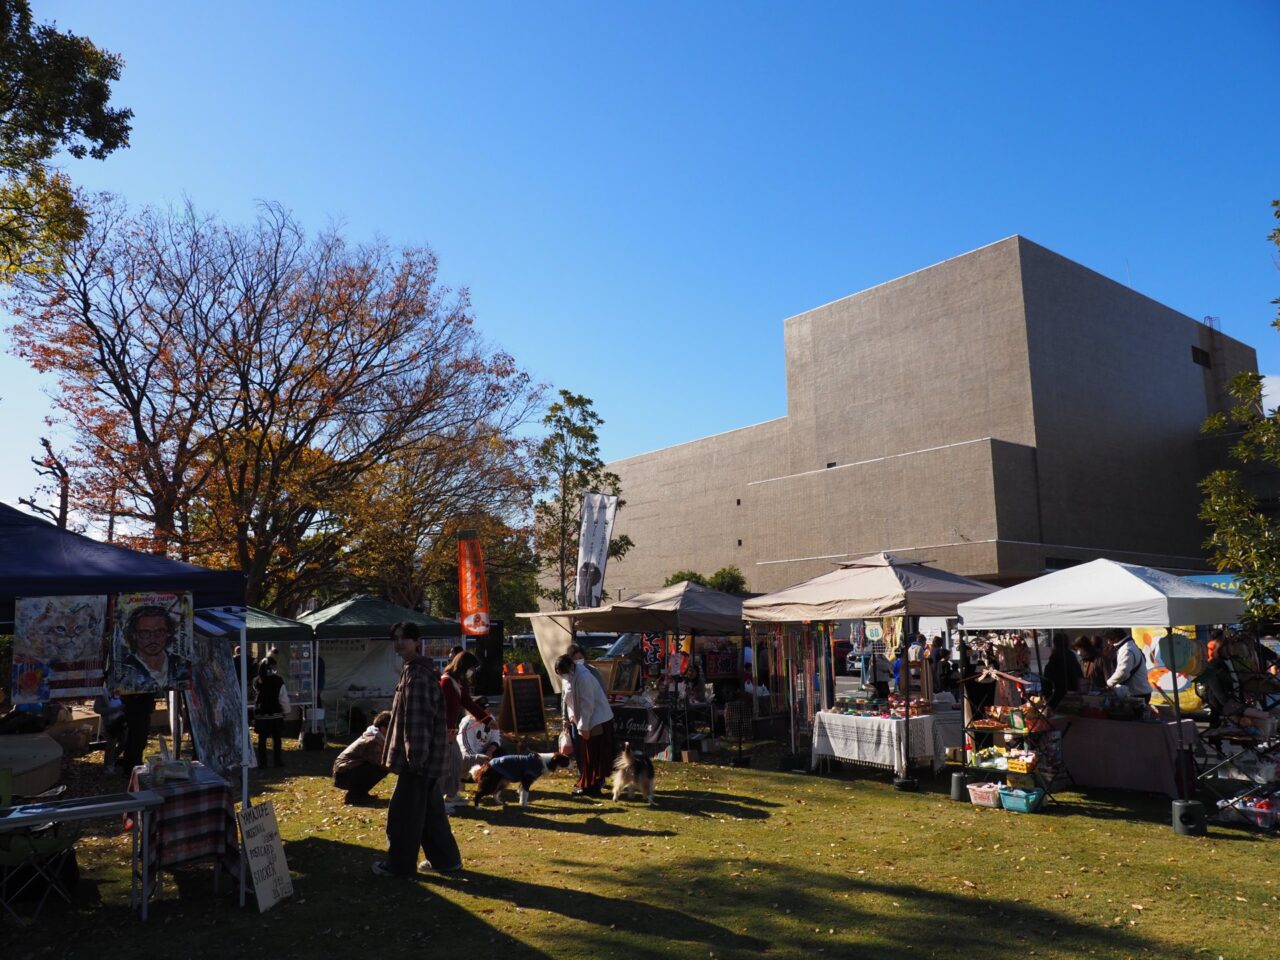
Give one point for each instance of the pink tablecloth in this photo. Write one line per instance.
(1123, 755)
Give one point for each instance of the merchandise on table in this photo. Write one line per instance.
(894, 708)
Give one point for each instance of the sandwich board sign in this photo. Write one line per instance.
(260, 839)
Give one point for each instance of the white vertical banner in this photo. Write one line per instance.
(598, 511)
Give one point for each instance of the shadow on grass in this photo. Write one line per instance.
(703, 803)
(801, 912)
(618, 918)
(593, 825)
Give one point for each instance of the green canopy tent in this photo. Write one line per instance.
(360, 663)
(368, 618)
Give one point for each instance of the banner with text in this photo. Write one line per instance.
(598, 511)
(473, 592)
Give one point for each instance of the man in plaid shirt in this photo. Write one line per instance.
(415, 750)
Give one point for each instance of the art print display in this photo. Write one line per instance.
(214, 708)
(151, 643)
(58, 648)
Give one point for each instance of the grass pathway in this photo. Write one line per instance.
(731, 863)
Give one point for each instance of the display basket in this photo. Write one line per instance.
(984, 794)
(1021, 801)
(1017, 765)
(1022, 781)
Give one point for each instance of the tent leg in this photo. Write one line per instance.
(245, 746)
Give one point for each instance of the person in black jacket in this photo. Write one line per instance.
(1062, 674)
(270, 704)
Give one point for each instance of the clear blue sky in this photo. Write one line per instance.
(638, 194)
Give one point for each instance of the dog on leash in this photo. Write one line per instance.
(632, 773)
(521, 768)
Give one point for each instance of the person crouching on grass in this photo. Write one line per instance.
(589, 712)
(416, 751)
(359, 768)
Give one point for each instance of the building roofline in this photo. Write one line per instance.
(685, 443)
(885, 283)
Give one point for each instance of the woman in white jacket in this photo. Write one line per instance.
(588, 710)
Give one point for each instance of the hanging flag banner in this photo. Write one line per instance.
(57, 648)
(473, 592)
(598, 511)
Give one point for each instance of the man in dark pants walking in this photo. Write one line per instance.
(137, 727)
(416, 751)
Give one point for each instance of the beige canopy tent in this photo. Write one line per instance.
(683, 607)
(879, 585)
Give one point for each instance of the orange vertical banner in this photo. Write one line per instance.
(473, 592)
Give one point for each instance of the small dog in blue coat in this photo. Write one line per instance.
(521, 768)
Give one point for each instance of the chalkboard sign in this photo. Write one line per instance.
(261, 840)
(523, 710)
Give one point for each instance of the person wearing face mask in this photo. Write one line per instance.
(456, 686)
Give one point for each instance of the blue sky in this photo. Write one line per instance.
(637, 195)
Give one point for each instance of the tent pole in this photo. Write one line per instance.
(1180, 767)
(245, 746)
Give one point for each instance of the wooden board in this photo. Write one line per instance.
(523, 710)
(605, 669)
(260, 840)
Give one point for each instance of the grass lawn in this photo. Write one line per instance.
(731, 863)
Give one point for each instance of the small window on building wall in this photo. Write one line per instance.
(1201, 357)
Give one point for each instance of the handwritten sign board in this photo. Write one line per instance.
(523, 710)
(260, 836)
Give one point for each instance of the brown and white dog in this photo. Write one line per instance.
(521, 768)
(632, 772)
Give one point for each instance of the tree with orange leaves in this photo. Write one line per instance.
(235, 392)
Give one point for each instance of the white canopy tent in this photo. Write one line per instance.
(879, 585)
(1103, 594)
(1098, 595)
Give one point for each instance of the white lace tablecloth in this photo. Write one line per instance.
(875, 741)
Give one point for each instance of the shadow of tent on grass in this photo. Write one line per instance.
(791, 910)
(617, 922)
(343, 908)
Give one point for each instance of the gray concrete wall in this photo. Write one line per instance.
(1118, 407)
(995, 413)
(932, 358)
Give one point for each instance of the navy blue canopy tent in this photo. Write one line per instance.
(37, 559)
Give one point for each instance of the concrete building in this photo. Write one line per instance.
(1000, 413)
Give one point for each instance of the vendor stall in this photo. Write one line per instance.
(673, 623)
(360, 665)
(883, 590)
(40, 560)
(1105, 739)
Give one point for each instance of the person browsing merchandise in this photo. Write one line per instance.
(1131, 665)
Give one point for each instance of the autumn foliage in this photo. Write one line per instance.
(311, 412)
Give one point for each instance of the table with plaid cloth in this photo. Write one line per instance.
(196, 821)
(876, 741)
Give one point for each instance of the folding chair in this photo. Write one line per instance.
(29, 857)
